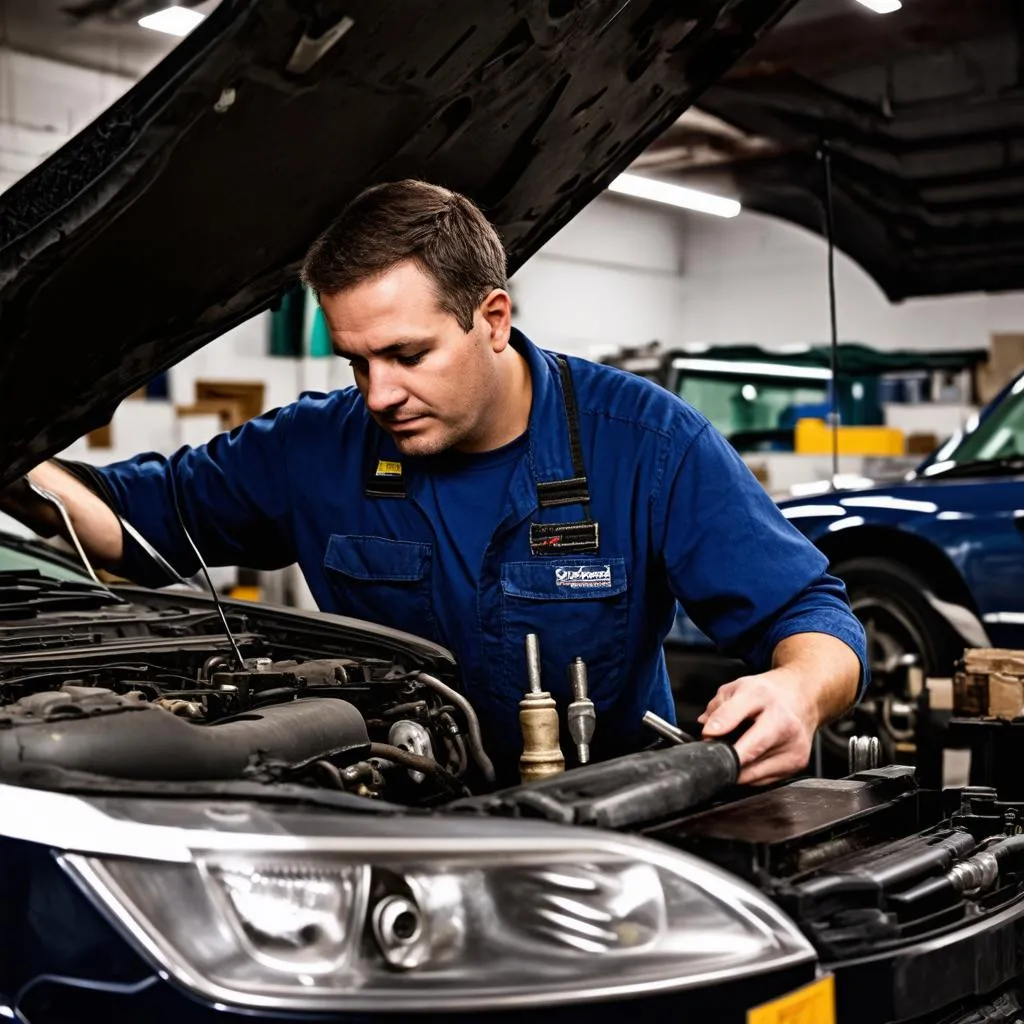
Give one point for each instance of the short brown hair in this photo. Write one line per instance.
(441, 230)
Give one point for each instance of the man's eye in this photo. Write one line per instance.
(411, 360)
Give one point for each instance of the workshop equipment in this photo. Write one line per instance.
(538, 719)
(582, 714)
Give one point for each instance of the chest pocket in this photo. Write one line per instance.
(578, 607)
(382, 580)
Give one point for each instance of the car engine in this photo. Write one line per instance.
(154, 692)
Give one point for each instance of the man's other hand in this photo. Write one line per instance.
(815, 679)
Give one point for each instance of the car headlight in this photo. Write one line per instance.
(441, 914)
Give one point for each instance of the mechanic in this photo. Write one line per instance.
(473, 488)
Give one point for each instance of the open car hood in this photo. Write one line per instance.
(188, 205)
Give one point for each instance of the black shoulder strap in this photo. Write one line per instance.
(575, 491)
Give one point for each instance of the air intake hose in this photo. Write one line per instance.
(148, 743)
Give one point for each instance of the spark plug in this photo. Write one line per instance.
(582, 715)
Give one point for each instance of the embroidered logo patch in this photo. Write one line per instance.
(385, 468)
(583, 577)
(563, 539)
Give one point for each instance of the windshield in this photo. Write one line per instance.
(20, 552)
(754, 414)
(999, 436)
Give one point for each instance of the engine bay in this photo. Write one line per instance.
(91, 683)
(139, 691)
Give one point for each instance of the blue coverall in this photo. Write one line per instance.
(674, 514)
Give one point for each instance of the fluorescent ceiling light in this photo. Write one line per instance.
(881, 6)
(175, 21)
(674, 195)
(743, 369)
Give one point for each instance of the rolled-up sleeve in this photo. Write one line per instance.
(233, 495)
(745, 575)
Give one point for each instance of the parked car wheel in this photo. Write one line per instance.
(888, 598)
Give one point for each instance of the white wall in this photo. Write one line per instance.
(626, 272)
(757, 279)
(613, 276)
(42, 104)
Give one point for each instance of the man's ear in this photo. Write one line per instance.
(496, 310)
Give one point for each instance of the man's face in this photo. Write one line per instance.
(428, 383)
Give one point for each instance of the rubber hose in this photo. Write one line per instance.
(697, 772)
(476, 743)
(1009, 853)
(151, 744)
(418, 763)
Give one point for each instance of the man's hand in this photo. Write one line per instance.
(814, 679)
(95, 523)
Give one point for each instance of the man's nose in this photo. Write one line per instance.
(383, 390)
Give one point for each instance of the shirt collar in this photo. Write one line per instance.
(548, 457)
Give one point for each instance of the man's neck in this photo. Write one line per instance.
(510, 415)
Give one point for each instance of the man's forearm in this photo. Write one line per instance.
(825, 668)
(94, 521)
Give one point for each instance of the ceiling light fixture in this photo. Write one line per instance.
(881, 6)
(175, 21)
(674, 195)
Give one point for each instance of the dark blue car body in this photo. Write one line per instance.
(941, 551)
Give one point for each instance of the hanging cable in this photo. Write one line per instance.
(206, 574)
(825, 156)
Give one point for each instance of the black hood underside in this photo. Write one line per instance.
(188, 206)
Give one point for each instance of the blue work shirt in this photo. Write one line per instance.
(680, 516)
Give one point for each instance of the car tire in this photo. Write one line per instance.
(889, 600)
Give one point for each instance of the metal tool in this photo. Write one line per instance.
(666, 730)
(538, 718)
(582, 714)
(57, 502)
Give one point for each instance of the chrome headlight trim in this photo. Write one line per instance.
(396, 841)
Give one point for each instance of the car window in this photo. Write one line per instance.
(737, 405)
(999, 436)
(16, 559)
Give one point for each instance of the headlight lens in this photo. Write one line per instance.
(487, 922)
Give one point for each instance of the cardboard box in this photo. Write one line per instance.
(1006, 360)
(991, 684)
(1005, 696)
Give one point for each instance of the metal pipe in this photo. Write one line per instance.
(476, 743)
(58, 503)
(533, 663)
(666, 730)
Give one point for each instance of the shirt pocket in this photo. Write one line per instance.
(383, 581)
(578, 607)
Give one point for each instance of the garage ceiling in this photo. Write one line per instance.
(923, 112)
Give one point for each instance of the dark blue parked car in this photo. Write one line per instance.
(933, 563)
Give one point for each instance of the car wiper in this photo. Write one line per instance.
(26, 593)
(982, 467)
